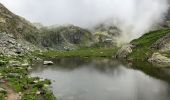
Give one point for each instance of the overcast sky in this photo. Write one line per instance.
(134, 15)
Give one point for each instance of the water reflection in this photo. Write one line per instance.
(100, 79)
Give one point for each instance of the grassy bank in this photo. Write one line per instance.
(14, 72)
(143, 48)
(15, 76)
(142, 51)
(87, 52)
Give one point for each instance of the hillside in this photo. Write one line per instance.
(60, 37)
(13, 24)
(13, 32)
(65, 37)
(152, 47)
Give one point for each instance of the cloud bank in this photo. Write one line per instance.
(133, 17)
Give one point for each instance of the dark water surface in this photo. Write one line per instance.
(100, 79)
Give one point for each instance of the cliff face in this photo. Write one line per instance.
(66, 37)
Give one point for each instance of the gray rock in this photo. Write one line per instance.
(14, 63)
(2, 90)
(163, 44)
(25, 65)
(36, 59)
(48, 63)
(10, 46)
(159, 60)
(124, 51)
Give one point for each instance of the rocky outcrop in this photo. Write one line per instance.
(10, 46)
(159, 60)
(106, 35)
(124, 51)
(163, 44)
(109, 29)
(66, 37)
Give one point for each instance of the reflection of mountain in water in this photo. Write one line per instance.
(100, 79)
(103, 65)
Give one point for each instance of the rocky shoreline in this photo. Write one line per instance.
(14, 76)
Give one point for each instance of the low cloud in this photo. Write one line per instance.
(133, 17)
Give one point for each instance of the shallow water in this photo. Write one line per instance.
(100, 79)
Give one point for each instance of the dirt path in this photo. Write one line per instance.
(11, 94)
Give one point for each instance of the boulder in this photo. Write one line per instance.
(124, 51)
(48, 63)
(159, 60)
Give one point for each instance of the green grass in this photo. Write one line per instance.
(143, 50)
(2, 96)
(167, 54)
(18, 80)
(87, 52)
(149, 38)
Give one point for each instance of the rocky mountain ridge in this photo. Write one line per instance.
(21, 30)
(13, 24)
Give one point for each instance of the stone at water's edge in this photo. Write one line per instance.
(48, 63)
(124, 51)
(159, 60)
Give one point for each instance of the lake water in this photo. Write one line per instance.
(100, 79)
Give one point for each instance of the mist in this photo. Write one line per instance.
(133, 17)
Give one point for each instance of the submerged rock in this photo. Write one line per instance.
(124, 51)
(159, 60)
(48, 63)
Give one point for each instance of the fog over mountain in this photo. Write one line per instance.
(133, 17)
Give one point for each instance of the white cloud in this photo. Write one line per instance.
(134, 16)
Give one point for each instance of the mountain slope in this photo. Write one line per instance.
(13, 24)
(152, 47)
(65, 37)
(61, 37)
